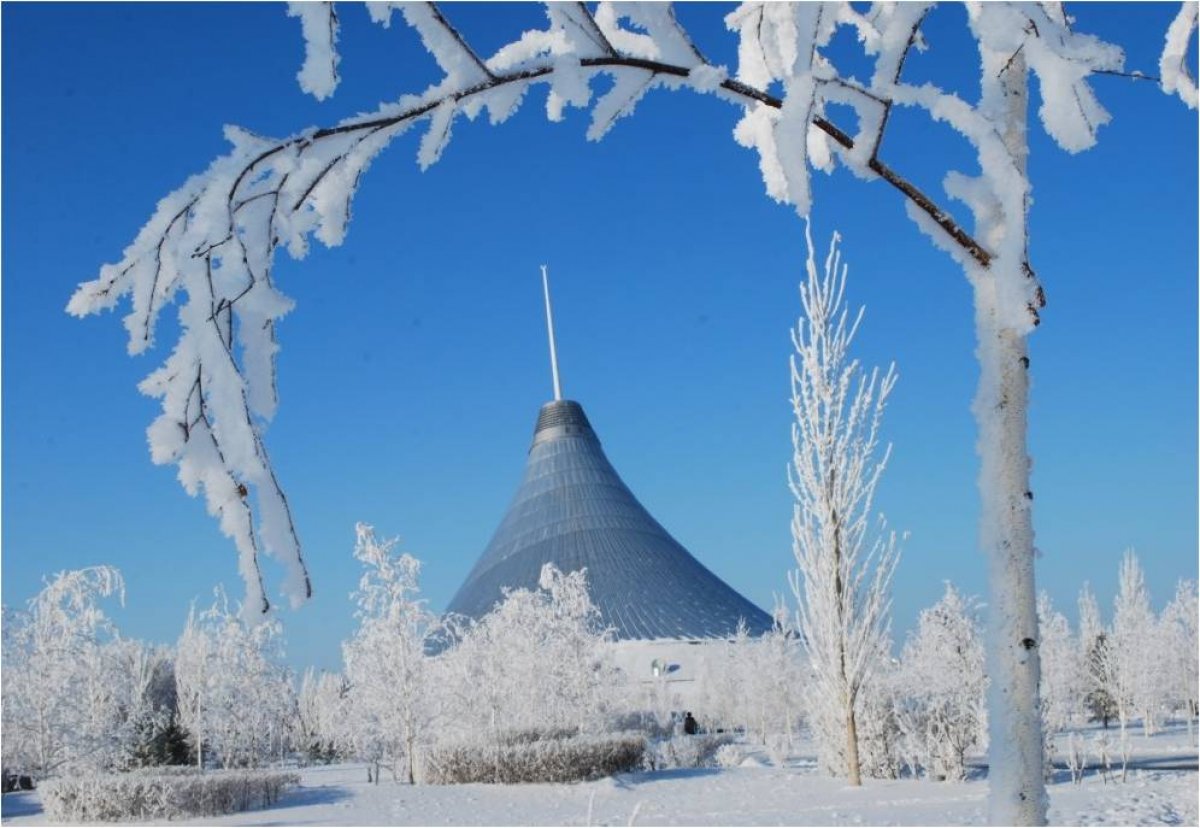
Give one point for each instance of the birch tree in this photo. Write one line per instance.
(235, 697)
(844, 562)
(214, 239)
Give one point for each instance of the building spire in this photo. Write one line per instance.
(550, 333)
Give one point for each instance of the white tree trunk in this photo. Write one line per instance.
(1017, 793)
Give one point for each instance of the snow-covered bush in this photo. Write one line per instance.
(939, 689)
(729, 756)
(686, 751)
(537, 662)
(160, 796)
(533, 760)
(235, 697)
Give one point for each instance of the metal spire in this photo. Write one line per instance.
(550, 333)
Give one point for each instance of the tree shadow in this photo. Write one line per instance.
(20, 804)
(301, 797)
(630, 780)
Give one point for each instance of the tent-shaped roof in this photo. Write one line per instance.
(573, 510)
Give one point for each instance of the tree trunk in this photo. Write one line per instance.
(854, 772)
(1017, 791)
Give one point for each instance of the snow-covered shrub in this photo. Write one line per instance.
(540, 760)
(160, 796)
(686, 751)
(235, 697)
(647, 722)
(536, 662)
(530, 735)
(729, 756)
(939, 689)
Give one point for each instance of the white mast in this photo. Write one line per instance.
(550, 333)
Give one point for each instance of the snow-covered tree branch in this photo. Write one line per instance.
(214, 239)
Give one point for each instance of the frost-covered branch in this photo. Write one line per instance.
(213, 241)
(1172, 65)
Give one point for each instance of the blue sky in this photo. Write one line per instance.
(415, 361)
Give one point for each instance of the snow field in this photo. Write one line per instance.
(1162, 790)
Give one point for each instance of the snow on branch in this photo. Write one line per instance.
(1172, 66)
(318, 76)
(211, 244)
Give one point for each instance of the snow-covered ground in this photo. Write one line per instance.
(1161, 790)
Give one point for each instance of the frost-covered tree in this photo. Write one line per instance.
(1182, 651)
(939, 688)
(844, 563)
(1096, 677)
(235, 697)
(214, 239)
(1062, 682)
(391, 701)
(756, 685)
(75, 695)
(322, 727)
(1133, 656)
(777, 686)
(537, 662)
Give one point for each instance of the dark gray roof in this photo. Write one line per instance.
(573, 510)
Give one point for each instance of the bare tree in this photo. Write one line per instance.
(215, 238)
(844, 569)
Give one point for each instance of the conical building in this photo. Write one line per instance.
(573, 510)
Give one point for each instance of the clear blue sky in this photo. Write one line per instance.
(415, 361)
